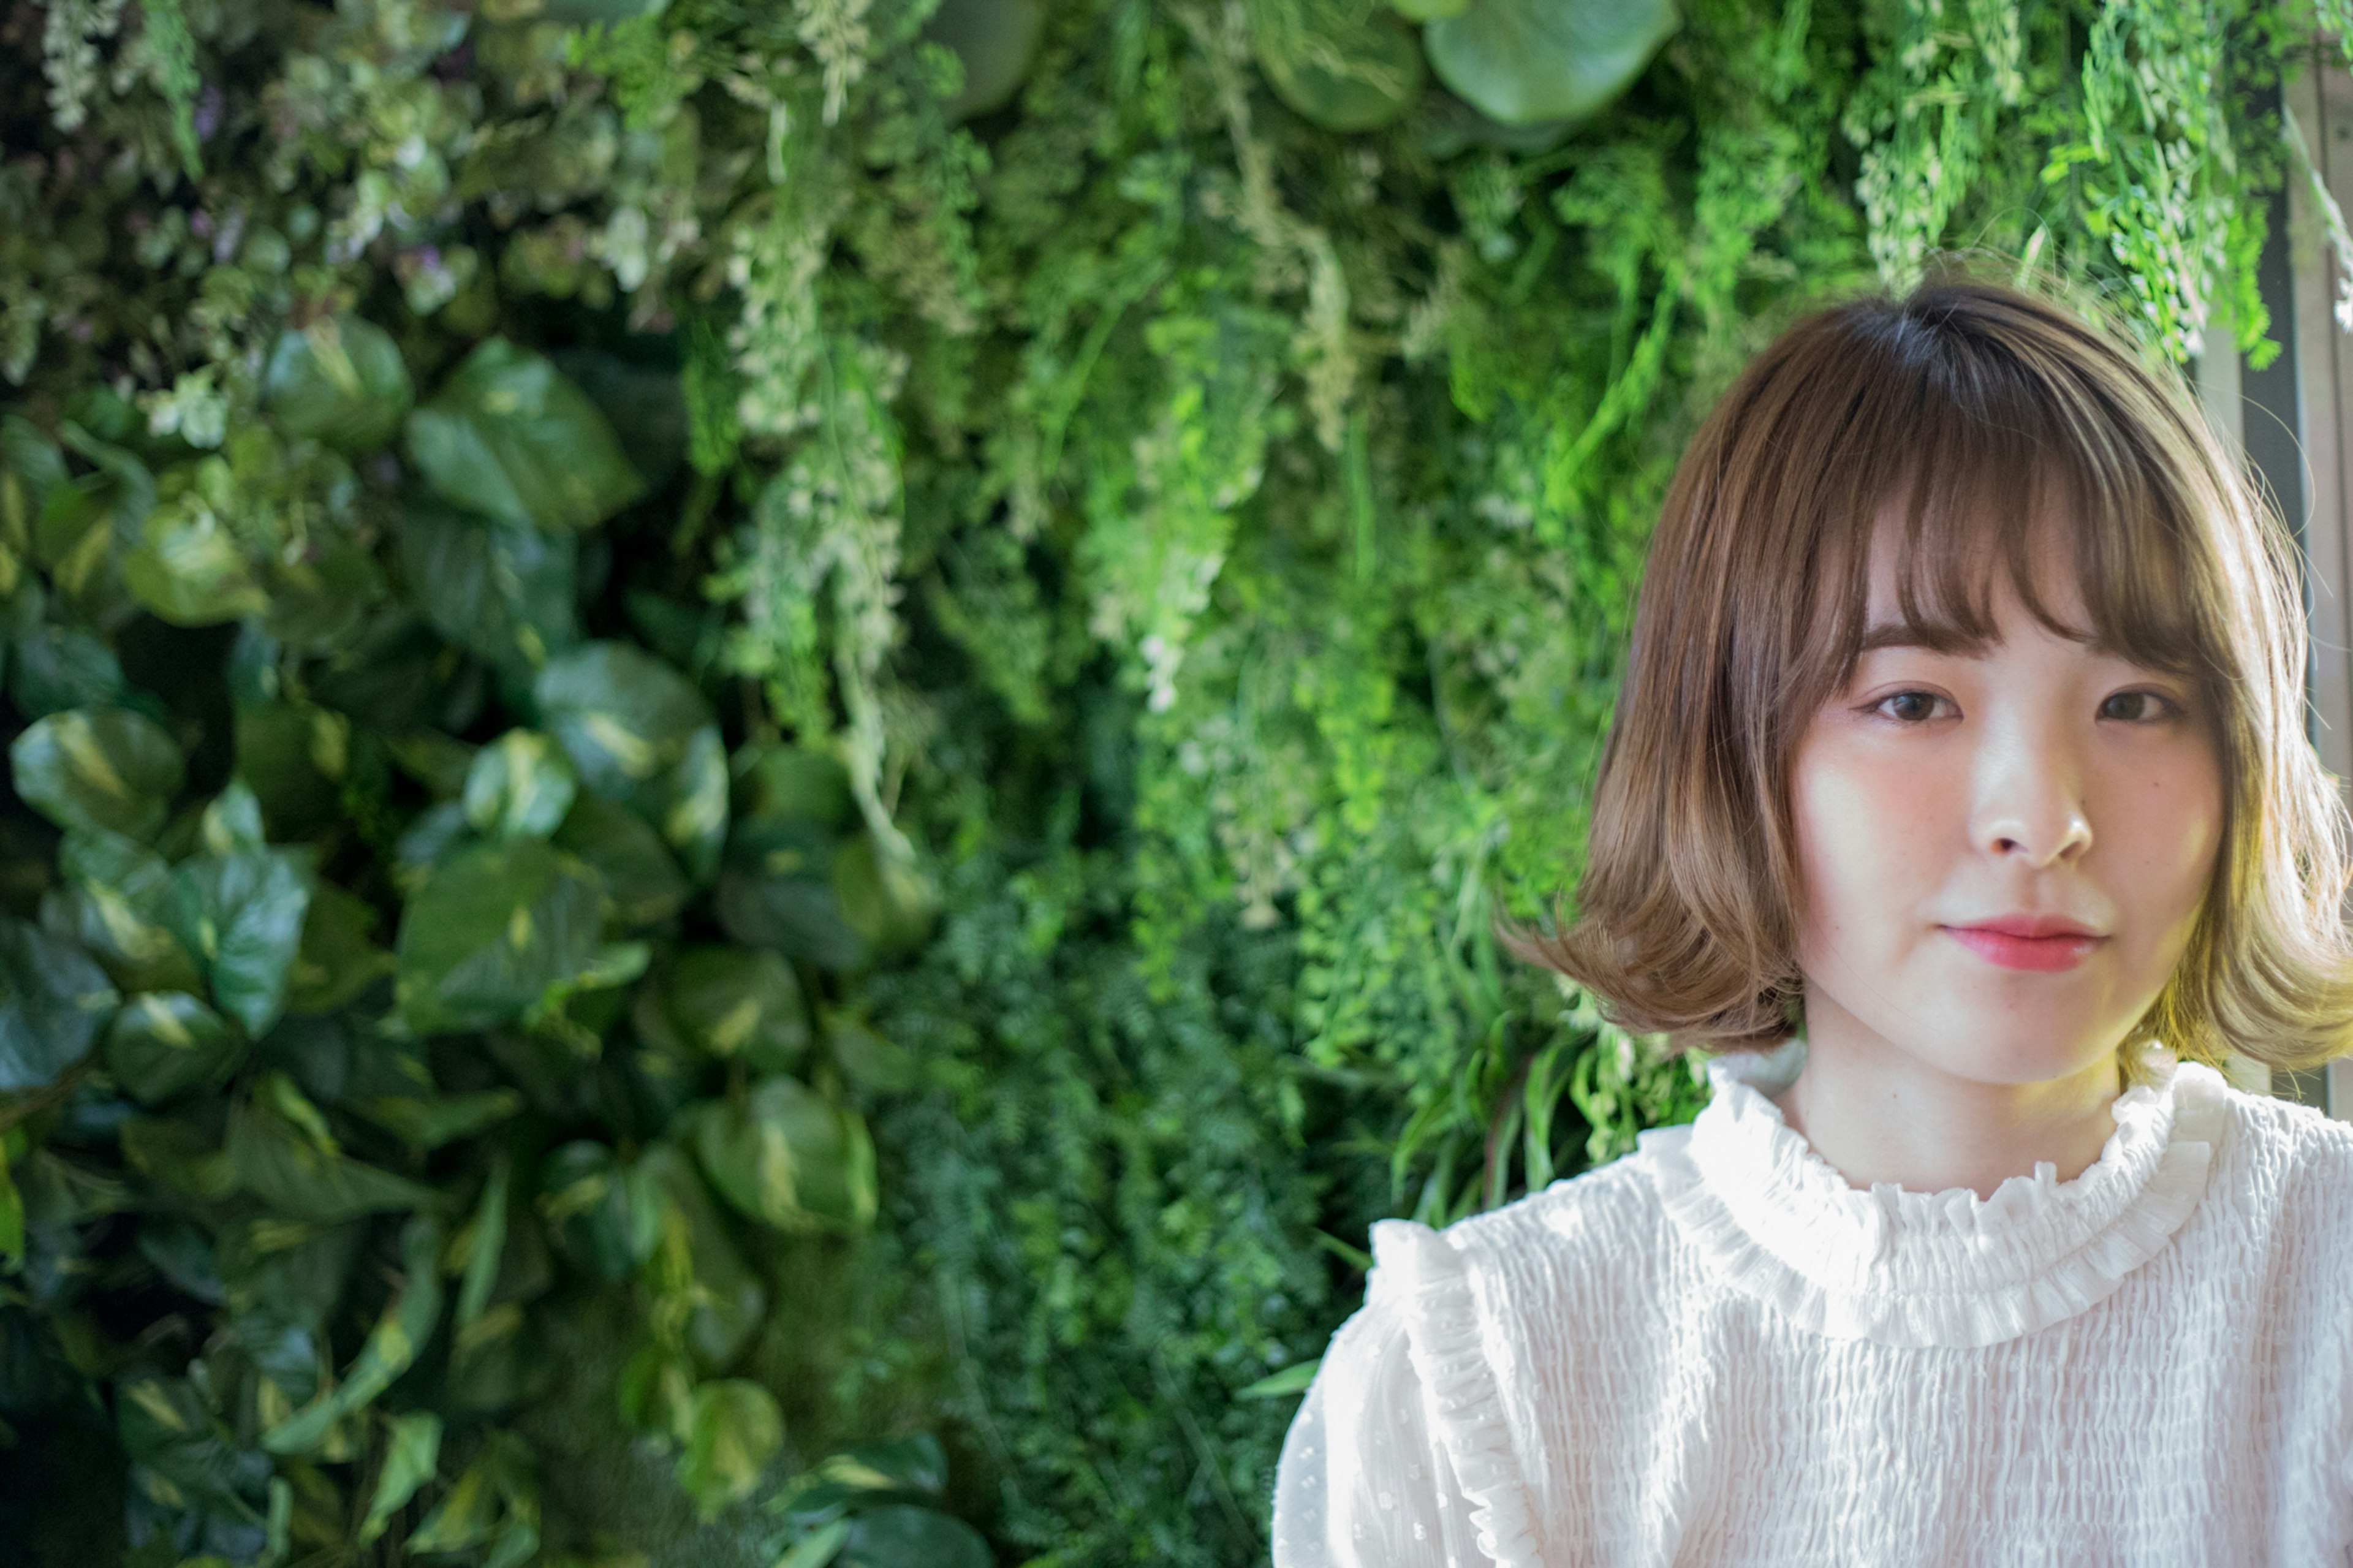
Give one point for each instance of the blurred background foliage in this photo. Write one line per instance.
(761, 754)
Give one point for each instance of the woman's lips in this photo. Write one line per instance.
(2046, 952)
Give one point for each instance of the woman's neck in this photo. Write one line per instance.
(1879, 1115)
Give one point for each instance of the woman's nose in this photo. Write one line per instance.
(2030, 799)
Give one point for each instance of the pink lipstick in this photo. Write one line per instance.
(2062, 949)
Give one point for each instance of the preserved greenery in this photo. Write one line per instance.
(761, 754)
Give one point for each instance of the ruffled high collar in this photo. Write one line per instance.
(1780, 1223)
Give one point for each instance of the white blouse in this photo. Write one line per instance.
(1717, 1351)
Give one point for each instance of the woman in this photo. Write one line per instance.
(1958, 796)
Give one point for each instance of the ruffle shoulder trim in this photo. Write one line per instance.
(1902, 1267)
(1429, 1281)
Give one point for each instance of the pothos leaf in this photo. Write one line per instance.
(1521, 61)
(241, 915)
(785, 1156)
(165, 1043)
(490, 930)
(53, 1001)
(106, 768)
(733, 1429)
(340, 380)
(510, 436)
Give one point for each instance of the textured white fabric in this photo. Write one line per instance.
(1715, 1351)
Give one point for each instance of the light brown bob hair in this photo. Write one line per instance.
(1979, 407)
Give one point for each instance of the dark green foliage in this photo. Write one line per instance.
(739, 733)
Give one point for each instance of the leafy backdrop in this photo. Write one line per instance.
(761, 754)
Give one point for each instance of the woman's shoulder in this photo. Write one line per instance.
(2278, 1151)
(1566, 1233)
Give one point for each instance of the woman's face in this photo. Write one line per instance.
(1941, 791)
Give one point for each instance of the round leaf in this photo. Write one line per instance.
(1520, 62)
(340, 380)
(98, 767)
(519, 786)
(501, 590)
(641, 879)
(785, 1156)
(490, 930)
(53, 1001)
(163, 1043)
(509, 436)
(733, 1430)
(738, 1002)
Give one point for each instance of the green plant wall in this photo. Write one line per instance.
(760, 755)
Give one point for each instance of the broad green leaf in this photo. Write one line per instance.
(626, 717)
(777, 891)
(241, 915)
(785, 1156)
(737, 1003)
(641, 878)
(640, 733)
(490, 930)
(641, 403)
(603, 1215)
(412, 1448)
(189, 568)
(335, 961)
(1521, 61)
(163, 1044)
(891, 905)
(341, 380)
(509, 436)
(900, 1535)
(290, 1173)
(519, 786)
(729, 1303)
(232, 820)
(1346, 65)
(399, 1335)
(117, 902)
(53, 667)
(500, 590)
(98, 767)
(868, 1060)
(53, 1001)
(733, 1429)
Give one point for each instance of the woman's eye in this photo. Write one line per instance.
(1909, 706)
(2160, 707)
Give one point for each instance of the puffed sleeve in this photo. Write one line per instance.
(1363, 1481)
